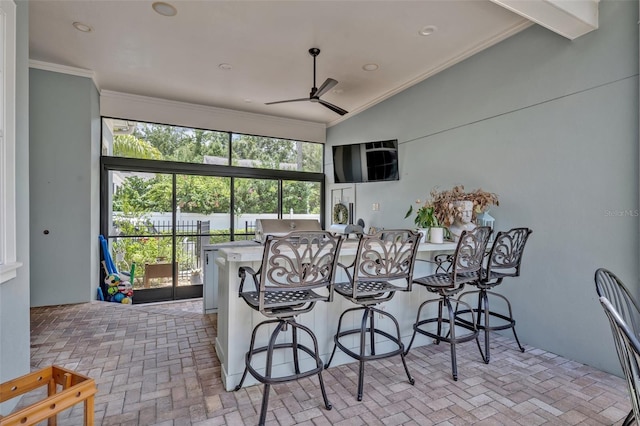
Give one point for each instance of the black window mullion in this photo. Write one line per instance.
(280, 203)
(232, 213)
(174, 230)
(161, 166)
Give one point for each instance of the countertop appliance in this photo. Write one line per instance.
(279, 227)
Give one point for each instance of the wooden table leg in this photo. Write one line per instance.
(89, 413)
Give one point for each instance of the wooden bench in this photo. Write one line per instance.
(156, 270)
(76, 388)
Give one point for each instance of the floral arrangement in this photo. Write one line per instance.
(441, 209)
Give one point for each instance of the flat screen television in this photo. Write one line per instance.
(366, 162)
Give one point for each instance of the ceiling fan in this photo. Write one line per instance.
(316, 92)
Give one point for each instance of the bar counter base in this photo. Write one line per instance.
(236, 320)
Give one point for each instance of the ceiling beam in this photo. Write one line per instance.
(569, 18)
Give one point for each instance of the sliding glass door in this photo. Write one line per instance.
(202, 218)
(159, 224)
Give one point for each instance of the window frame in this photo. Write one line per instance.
(110, 163)
(8, 249)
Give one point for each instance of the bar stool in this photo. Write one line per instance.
(383, 265)
(452, 273)
(297, 271)
(628, 349)
(504, 261)
(622, 308)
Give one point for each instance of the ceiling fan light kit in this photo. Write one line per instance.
(316, 92)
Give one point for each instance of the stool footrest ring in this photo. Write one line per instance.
(369, 357)
(273, 380)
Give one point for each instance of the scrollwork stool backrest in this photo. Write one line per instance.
(469, 254)
(299, 261)
(505, 257)
(386, 255)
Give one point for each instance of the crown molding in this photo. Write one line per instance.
(64, 69)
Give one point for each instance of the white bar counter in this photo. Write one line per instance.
(236, 320)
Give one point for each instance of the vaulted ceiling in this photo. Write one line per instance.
(240, 55)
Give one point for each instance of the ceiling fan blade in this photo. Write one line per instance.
(315, 94)
(289, 100)
(326, 86)
(333, 108)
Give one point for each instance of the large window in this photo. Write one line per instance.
(169, 191)
(270, 153)
(130, 139)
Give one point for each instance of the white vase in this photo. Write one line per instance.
(424, 232)
(436, 235)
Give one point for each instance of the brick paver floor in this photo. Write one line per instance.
(156, 365)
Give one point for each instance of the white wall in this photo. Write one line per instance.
(551, 126)
(14, 294)
(154, 110)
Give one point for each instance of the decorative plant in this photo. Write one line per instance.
(425, 216)
(441, 210)
(446, 210)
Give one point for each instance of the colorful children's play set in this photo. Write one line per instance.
(115, 289)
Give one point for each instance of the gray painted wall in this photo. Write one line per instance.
(64, 188)
(14, 294)
(550, 125)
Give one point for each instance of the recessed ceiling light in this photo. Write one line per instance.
(164, 9)
(248, 100)
(370, 67)
(337, 91)
(82, 27)
(225, 67)
(428, 30)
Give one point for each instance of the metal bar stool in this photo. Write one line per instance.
(628, 348)
(452, 273)
(503, 261)
(297, 271)
(610, 288)
(383, 265)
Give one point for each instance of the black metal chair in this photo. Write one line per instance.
(451, 274)
(628, 348)
(297, 271)
(609, 286)
(383, 265)
(503, 261)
